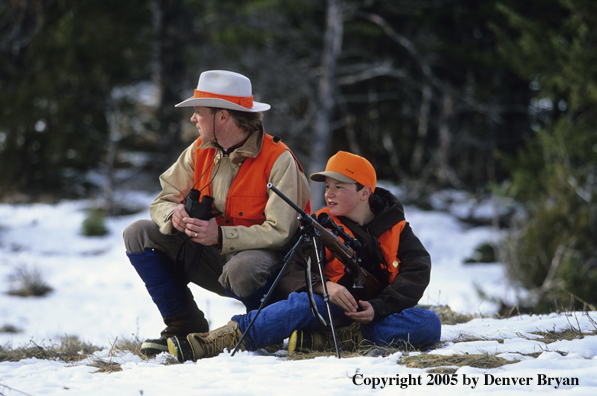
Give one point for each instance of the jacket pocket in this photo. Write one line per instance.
(248, 210)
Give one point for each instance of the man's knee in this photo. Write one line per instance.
(135, 236)
(248, 271)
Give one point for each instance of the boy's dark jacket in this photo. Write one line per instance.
(415, 263)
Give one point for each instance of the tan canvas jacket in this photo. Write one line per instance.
(281, 220)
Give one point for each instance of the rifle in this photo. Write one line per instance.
(360, 282)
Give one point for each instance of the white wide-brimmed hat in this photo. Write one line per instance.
(225, 90)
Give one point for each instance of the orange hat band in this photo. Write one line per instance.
(244, 101)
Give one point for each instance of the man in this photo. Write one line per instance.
(392, 253)
(234, 253)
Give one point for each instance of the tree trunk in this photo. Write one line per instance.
(444, 172)
(332, 47)
(351, 135)
(114, 137)
(167, 69)
(423, 127)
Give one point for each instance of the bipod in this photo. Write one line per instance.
(320, 255)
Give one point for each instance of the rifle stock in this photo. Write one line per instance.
(357, 280)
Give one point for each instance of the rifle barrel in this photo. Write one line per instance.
(330, 240)
(286, 199)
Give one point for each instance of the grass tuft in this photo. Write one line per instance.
(105, 366)
(8, 328)
(365, 349)
(28, 283)
(429, 360)
(69, 350)
(447, 316)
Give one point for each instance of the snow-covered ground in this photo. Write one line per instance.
(99, 298)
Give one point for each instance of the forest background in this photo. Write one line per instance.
(497, 98)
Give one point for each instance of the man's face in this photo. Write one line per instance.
(204, 121)
(341, 198)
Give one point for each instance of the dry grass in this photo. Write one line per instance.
(130, 345)
(105, 366)
(438, 363)
(8, 328)
(365, 349)
(449, 364)
(28, 282)
(69, 350)
(572, 332)
(447, 316)
(550, 336)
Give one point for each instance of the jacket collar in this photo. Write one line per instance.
(391, 214)
(250, 149)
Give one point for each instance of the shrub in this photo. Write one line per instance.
(551, 251)
(95, 223)
(28, 283)
(484, 253)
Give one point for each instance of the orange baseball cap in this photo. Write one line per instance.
(348, 168)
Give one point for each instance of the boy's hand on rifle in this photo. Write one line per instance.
(364, 316)
(340, 296)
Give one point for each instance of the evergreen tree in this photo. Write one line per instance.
(60, 65)
(553, 251)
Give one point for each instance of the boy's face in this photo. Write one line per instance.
(341, 198)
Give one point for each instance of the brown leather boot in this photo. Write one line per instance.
(204, 345)
(191, 320)
(349, 339)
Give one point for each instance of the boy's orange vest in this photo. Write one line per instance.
(389, 241)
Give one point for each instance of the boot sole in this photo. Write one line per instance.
(176, 350)
(153, 348)
(292, 342)
(296, 343)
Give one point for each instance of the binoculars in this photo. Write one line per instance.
(202, 210)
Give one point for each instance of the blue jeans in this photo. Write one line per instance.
(419, 327)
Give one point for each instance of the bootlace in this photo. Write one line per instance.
(215, 343)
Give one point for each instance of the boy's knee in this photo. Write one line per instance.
(431, 328)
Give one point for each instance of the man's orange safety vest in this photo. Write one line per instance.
(248, 194)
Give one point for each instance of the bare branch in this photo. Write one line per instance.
(20, 21)
(408, 46)
(370, 72)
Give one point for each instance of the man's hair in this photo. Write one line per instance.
(246, 121)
